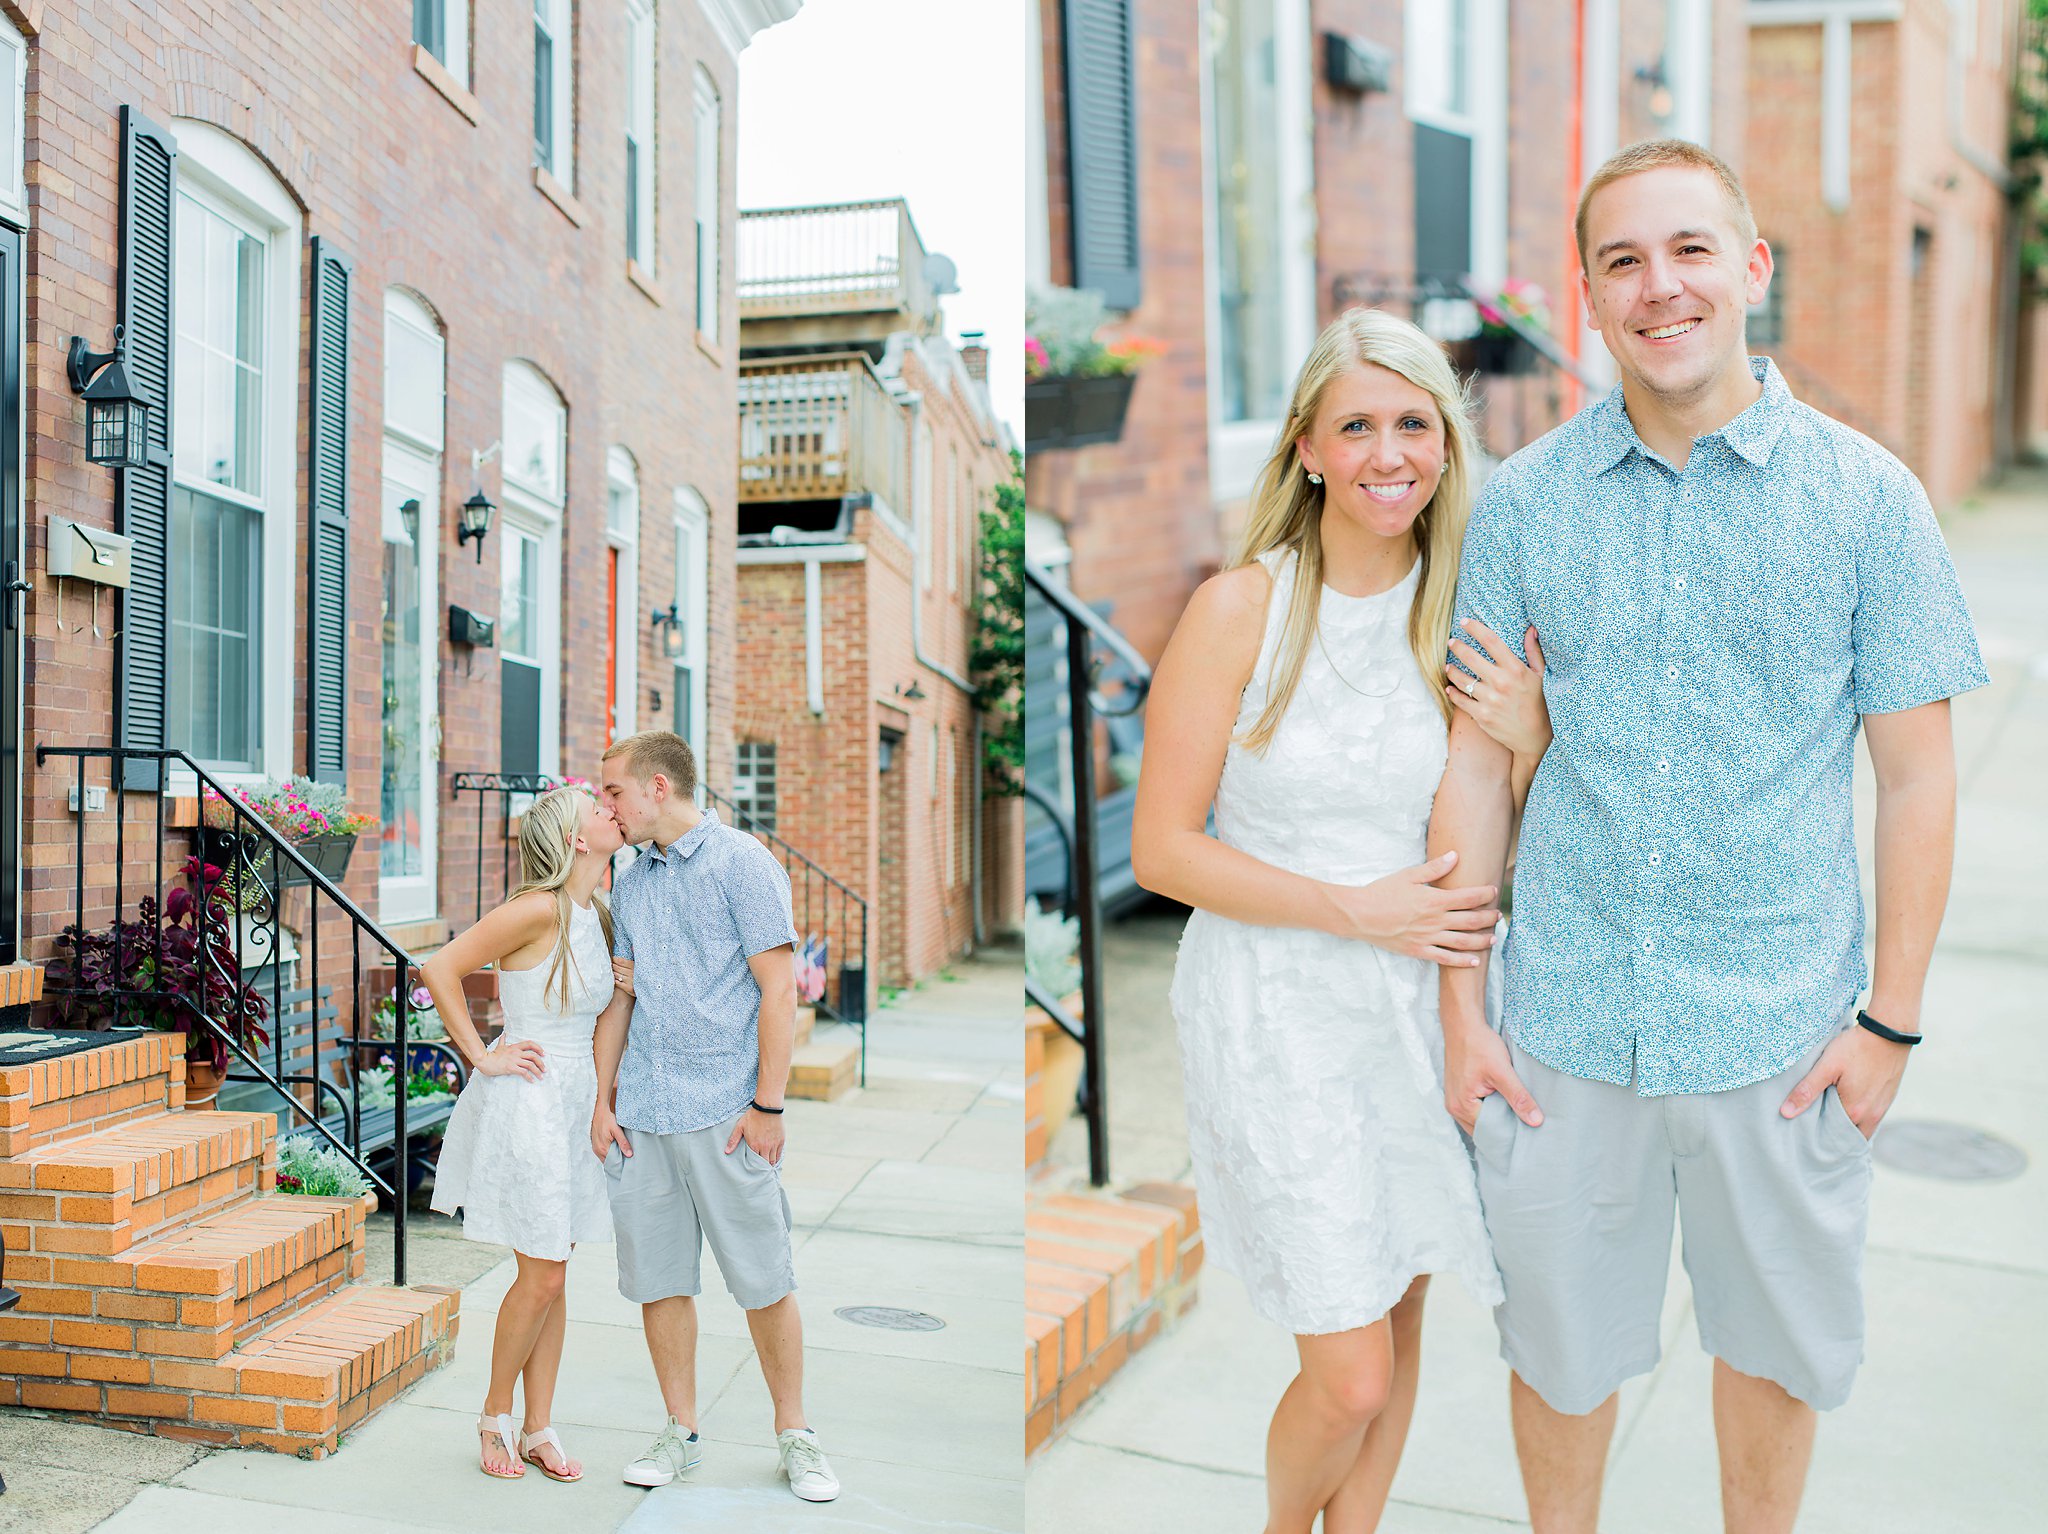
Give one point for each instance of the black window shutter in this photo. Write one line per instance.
(149, 195)
(1102, 148)
(327, 532)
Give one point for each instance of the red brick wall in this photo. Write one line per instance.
(1909, 360)
(1137, 512)
(385, 167)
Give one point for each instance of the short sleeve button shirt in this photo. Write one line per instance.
(1687, 911)
(690, 915)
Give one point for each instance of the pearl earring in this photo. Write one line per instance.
(1315, 479)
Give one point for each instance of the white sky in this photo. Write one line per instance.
(918, 99)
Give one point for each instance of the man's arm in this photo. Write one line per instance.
(1914, 758)
(774, 972)
(609, 1043)
(1474, 807)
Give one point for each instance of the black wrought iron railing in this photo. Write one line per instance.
(824, 907)
(501, 786)
(1076, 816)
(229, 926)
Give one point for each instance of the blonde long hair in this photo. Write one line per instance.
(547, 854)
(1287, 511)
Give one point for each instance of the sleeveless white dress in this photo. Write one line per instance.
(1328, 1171)
(516, 1157)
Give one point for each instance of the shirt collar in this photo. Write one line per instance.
(1751, 435)
(689, 841)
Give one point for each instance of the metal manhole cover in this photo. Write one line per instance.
(1955, 1152)
(889, 1318)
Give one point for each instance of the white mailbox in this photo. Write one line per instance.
(89, 553)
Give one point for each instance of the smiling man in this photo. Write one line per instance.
(1727, 584)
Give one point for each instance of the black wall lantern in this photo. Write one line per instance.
(476, 521)
(116, 417)
(669, 620)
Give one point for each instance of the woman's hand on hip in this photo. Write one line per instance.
(1405, 913)
(520, 1057)
(1503, 696)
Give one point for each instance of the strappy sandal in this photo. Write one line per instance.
(544, 1438)
(502, 1426)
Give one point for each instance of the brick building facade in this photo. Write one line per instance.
(1877, 169)
(869, 448)
(508, 312)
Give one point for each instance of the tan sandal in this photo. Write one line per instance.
(502, 1426)
(545, 1438)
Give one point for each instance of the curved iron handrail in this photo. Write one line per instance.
(1074, 610)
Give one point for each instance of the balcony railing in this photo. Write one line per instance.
(812, 428)
(836, 258)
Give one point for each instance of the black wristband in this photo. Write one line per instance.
(1865, 1020)
(759, 1109)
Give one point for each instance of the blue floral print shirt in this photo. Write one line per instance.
(1687, 911)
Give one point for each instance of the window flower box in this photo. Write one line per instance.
(1070, 412)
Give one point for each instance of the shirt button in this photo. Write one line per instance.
(1663, 766)
(1679, 583)
(1671, 672)
(1656, 858)
(1648, 945)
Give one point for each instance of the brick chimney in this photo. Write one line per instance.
(974, 352)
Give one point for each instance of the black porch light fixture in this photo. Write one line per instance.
(476, 521)
(669, 620)
(116, 417)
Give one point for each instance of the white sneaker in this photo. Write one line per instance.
(671, 1454)
(804, 1463)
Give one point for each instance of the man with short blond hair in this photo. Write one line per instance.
(691, 1067)
(1726, 585)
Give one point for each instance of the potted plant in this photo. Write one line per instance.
(423, 1026)
(1052, 947)
(1077, 385)
(307, 1165)
(179, 976)
(1499, 348)
(313, 817)
(436, 1079)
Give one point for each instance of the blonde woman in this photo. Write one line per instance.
(516, 1157)
(1298, 697)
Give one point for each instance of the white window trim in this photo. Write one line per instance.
(13, 187)
(1239, 449)
(623, 474)
(1485, 124)
(644, 67)
(525, 379)
(531, 515)
(693, 530)
(708, 305)
(1037, 190)
(921, 501)
(227, 176)
(402, 308)
(562, 31)
(1689, 57)
(455, 22)
(416, 897)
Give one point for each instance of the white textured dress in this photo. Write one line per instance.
(516, 1157)
(1329, 1172)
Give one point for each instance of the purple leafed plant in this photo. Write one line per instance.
(179, 980)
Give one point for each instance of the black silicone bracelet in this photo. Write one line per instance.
(1865, 1020)
(759, 1109)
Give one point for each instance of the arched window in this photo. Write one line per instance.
(536, 428)
(234, 471)
(415, 368)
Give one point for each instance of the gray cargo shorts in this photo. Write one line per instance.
(677, 1191)
(1580, 1209)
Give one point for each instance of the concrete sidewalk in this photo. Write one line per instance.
(1944, 1432)
(905, 1195)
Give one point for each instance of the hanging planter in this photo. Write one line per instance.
(1498, 349)
(1069, 412)
(1502, 353)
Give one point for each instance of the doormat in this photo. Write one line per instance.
(27, 1047)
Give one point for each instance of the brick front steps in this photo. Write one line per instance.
(166, 1288)
(1102, 1274)
(825, 1064)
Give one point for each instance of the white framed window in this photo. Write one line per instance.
(622, 555)
(923, 466)
(753, 783)
(707, 203)
(231, 576)
(954, 528)
(536, 424)
(640, 142)
(13, 122)
(442, 28)
(1260, 226)
(693, 600)
(414, 410)
(1457, 84)
(554, 75)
